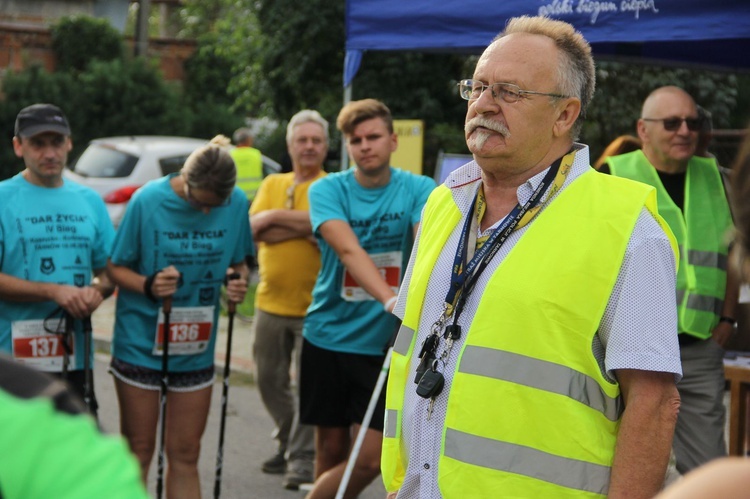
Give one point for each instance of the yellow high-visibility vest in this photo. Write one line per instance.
(249, 163)
(529, 413)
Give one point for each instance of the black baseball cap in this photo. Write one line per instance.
(40, 118)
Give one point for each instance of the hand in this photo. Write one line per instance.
(392, 495)
(78, 302)
(236, 288)
(165, 282)
(722, 333)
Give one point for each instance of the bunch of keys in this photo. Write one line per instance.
(426, 355)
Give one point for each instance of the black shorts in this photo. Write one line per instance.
(336, 387)
(150, 379)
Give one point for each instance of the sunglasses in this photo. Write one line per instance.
(674, 124)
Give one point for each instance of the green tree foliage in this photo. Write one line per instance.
(79, 40)
(129, 97)
(21, 90)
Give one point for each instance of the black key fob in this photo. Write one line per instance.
(428, 345)
(431, 384)
(452, 331)
(424, 366)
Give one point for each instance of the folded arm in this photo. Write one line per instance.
(274, 226)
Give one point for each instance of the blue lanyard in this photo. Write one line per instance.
(464, 275)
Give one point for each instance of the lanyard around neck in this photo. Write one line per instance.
(467, 269)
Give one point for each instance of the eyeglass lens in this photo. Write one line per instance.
(672, 124)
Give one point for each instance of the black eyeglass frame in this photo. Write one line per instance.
(675, 123)
(509, 92)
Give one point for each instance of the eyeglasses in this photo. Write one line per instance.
(200, 205)
(508, 92)
(674, 124)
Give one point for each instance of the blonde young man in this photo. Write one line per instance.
(538, 352)
(364, 219)
(289, 261)
(693, 201)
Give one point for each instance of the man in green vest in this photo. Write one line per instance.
(693, 201)
(249, 162)
(538, 354)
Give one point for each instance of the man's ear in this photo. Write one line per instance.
(640, 127)
(568, 112)
(17, 147)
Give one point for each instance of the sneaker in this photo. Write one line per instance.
(276, 465)
(298, 473)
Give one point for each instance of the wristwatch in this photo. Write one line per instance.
(729, 320)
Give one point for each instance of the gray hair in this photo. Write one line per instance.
(241, 135)
(305, 116)
(211, 167)
(576, 75)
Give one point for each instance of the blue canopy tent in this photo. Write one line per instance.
(712, 34)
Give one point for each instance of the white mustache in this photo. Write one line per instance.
(481, 121)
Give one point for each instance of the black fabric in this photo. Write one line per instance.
(26, 383)
(674, 183)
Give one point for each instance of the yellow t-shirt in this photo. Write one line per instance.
(287, 269)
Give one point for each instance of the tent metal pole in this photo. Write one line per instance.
(344, 155)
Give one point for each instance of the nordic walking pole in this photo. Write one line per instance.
(365, 424)
(167, 309)
(88, 384)
(231, 307)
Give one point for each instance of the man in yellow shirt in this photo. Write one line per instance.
(289, 261)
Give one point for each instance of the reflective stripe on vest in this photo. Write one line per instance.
(403, 340)
(391, 421)
(700, 228)
(521, 460)
(541, 375)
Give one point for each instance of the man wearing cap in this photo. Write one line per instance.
(55, 237)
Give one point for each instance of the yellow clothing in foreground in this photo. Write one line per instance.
(287, 269)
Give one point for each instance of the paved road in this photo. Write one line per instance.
(247, 441)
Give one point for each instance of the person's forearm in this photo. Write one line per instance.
(277, 234)
(280, 225)
(126, 278)
(732, 293)
(644, 442)
(14, 289)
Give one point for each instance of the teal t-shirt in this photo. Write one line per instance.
(53, 235)
(342, 316)
(161, 229)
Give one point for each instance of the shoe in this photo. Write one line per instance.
(276, 465)
(298, 473)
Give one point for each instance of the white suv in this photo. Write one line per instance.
(116, 167)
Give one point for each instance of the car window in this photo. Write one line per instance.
(172, 165)
(104, 162)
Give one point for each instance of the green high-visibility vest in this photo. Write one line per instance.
(702, 229)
